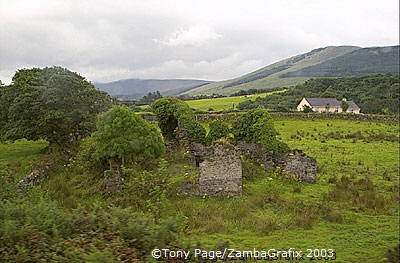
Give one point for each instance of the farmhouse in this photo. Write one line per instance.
(328, 105)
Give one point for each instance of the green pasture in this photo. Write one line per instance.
(219, 104)
(225, 103)
(274, 212)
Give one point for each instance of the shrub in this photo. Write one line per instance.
(218, 129)
(361, 193)
(122, 135)
(307, 109)
(171, 113)
(297, 188)
(149, 188)
(334, 216)
(35, 229)
(85, 157)
(256, 126)
(303, 214)
(98, 256)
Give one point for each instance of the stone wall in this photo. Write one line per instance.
(300, 115)
(299, 164)
(36, 177)
(294, 162)
(220, 170)
(221, 167)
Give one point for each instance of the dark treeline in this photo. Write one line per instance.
(149, 98)
(377, 94)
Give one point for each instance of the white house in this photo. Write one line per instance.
(327, 105)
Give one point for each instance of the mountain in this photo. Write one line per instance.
(137, 88)
(330, 61)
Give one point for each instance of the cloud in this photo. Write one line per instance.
(214, 40)
(193, 36)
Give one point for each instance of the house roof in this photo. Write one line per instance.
(323, 102)
(332, 102)
(352, 105)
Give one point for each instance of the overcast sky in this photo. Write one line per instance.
(201, 39)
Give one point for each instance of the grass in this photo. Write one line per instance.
(217, 104)
(17, 158)
(225, 103)
(358, 229)
(274, 212)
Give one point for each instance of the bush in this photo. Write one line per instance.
(34, 230)
(361, 193)
(122, 135)
(85, 157)
(171, 113)
(256, 126)
(218, 129)
(149, 188)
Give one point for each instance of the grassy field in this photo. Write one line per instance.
(356, 232)
(357, 217)
(225, 103)
(219, 104)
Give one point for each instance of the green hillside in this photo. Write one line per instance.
(328, 62)
(137, 88)
(359, 62)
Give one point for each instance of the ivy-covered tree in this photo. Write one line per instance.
(171, 113)
(256, 126)
(54, 104)
(218, 129)
(122, 135)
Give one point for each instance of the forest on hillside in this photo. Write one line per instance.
(375, 94)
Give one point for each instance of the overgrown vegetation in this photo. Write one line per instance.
(218, 129)
(69, 218)
(122, 136)
(172, 113)
(34, 229)
(256, 126)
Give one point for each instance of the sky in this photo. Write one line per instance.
(197, 39)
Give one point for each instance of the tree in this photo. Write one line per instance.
(122, 135)
(344, 106)
(218, 129)
(54, 104)
(307, 109)
(172, 113)
(256, 126)
(150, 98)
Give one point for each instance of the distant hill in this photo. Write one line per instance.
(137, 88)
(357, 63)
(330, 61)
